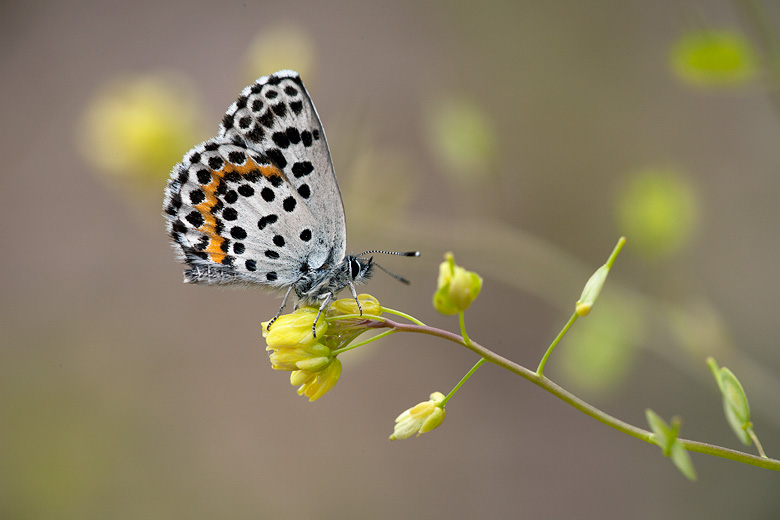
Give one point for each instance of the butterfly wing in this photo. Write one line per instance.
(259, 203)
(276, 117)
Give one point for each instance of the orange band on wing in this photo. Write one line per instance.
(209, 226)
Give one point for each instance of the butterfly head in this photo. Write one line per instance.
(359, 268)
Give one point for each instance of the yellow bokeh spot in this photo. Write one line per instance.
(139, 127)
(285, 46)
(658, 210)
(713, 58)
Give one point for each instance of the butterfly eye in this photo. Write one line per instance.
(354, 268)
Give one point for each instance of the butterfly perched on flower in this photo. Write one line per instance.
(259, 204)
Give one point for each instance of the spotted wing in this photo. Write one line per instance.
(276, 117)
(258, 204)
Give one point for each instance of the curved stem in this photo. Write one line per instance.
(463, 333)
(555, 342)
(574, 401)
(403, 315)
(756, 442)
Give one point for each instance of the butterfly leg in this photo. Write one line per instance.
(325, 301)
(279, 312)
(354, 295)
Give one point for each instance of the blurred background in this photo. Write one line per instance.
(524, 137)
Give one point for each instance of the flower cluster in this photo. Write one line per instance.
(307, 349)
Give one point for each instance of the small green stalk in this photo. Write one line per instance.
(555, 342)
(463, 333)
(481, 362)
(361, 343)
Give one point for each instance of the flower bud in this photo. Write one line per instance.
(457, 287)
(315, 384)
(594, 284)
(591, 291)
(343, 306)
(735, 403)
(294, 329)
(419, 419)
(312, 358)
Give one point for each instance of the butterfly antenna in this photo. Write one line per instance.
(405, 253)
(396, 276)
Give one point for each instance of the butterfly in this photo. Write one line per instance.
(259, 204)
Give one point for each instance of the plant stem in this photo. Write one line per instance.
(615, 252)
(463, 333)
(361, 343)
(574, 401)
(403, 315)
(555, 342)
(481, 362)
(755, 440)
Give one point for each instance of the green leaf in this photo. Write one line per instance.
(665, 436)
(682, 460)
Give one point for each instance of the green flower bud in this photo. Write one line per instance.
(457, 287)
(735, 403)
(593, 287)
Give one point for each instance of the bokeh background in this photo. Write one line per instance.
(525, 137)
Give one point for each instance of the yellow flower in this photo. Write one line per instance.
(294, 329)
(419, 419)
(315, 384)
(312, 357)
(368, 303)
(457, 288)
(315, 369)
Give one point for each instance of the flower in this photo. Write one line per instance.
(315, 369)
(315, 384)
(457, 288)
(311, 358)
(421, 418)
(294, 329)
(294, 348)
(343, 306)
